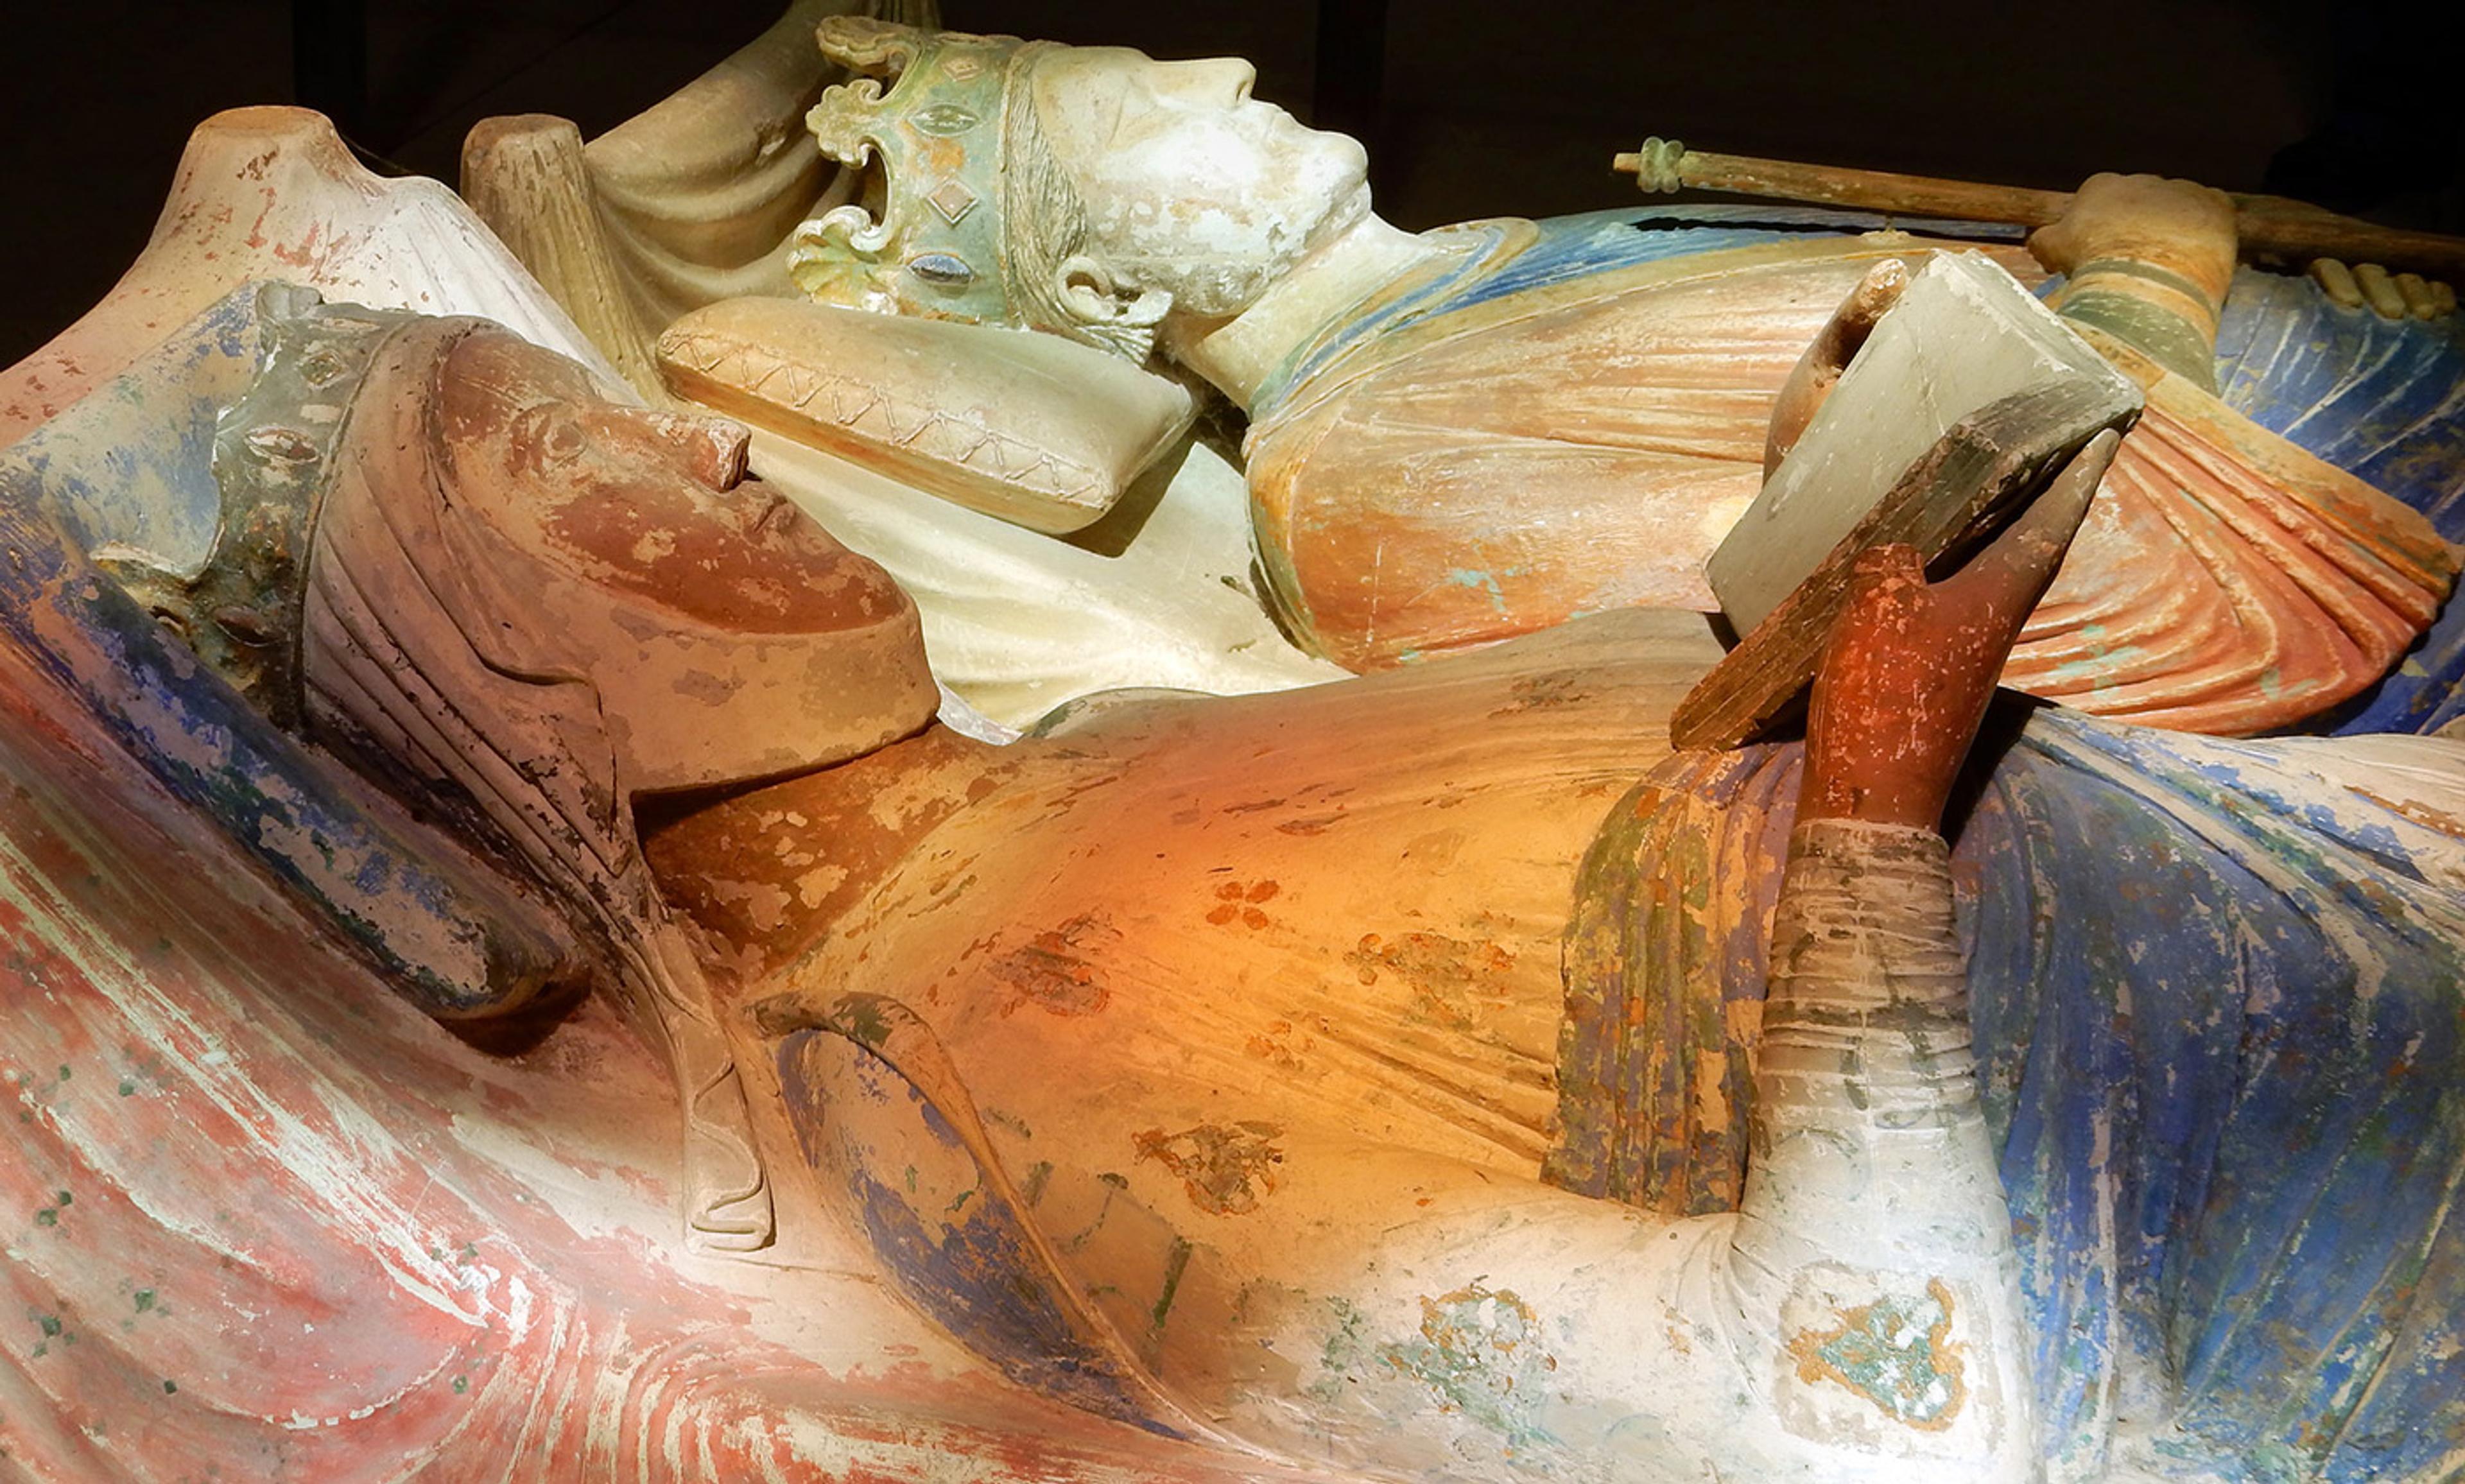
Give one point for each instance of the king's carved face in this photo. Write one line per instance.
(1191, 185)
(1122, 188)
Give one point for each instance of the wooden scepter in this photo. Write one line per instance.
(2269, 227)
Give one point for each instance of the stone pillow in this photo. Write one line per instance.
(1031, 428)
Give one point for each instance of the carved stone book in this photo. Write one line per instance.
(1964, 336)
(1966, 399)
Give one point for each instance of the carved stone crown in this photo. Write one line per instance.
(937, 249)
(273, 459)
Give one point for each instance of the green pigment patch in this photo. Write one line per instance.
(1480, 1354)
(1894, 1353)
(1343, 1352)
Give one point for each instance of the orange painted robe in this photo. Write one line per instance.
(1569, 415)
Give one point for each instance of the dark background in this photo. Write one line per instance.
(1470, 109)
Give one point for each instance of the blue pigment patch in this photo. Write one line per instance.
(196, 735)
(975, 1270)
(2383, 400)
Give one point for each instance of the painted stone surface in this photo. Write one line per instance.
(1482, 430)
(508, 974)
(271, 1222)
(1212, 1068)
(287, 1225)
(671, 238)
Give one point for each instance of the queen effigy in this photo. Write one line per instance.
(516, 968)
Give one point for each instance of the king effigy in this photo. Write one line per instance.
(1462, 434)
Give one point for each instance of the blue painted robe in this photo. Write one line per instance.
(2219, 995)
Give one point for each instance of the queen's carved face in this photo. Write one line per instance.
(647, 503)
(1191, 185)
(721, 633)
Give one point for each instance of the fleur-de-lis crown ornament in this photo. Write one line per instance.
(935, 249)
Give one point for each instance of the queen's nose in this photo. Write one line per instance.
(713, 448)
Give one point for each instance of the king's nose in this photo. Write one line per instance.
(1218, 80)
(714, 447)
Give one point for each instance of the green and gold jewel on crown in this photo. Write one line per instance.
(936, 138)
